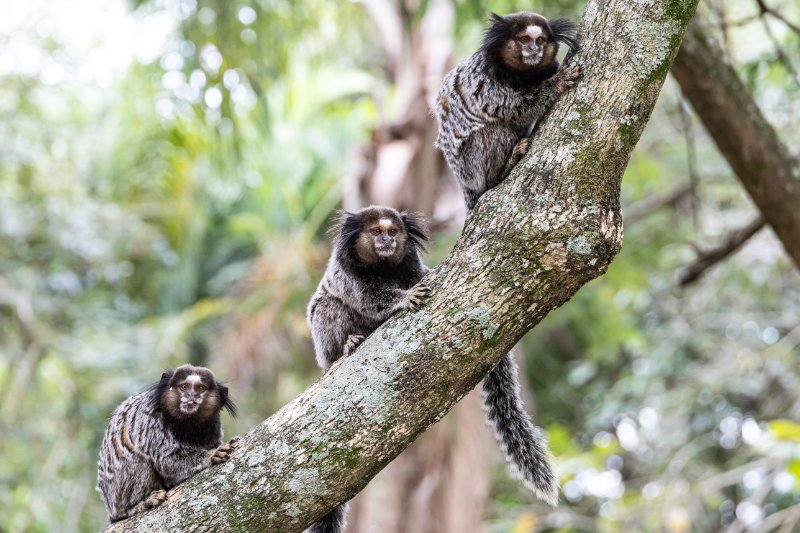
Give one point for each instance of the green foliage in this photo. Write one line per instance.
(129, 216)
(665, 390)
(178, 214)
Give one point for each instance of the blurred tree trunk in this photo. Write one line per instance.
(763, 164)
(529, 245)
(399, 166)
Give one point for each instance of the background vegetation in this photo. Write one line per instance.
(168, 170)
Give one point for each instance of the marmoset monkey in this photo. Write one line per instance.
(374, 271)
(487, 105)
(160, 437)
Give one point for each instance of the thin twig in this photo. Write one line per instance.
(780, 53)
(743, 21)
(756, 499)
(716, 483)
(710, 258)
(787, 517)
(691, 158)
(652, 203)
(722, 20)
(791, 519)
(762, 6)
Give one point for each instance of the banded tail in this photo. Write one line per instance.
(332, 522)
(524, 444)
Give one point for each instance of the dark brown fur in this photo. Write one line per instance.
(372, 228)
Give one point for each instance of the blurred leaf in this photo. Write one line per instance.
(785, 429)
(525, 523)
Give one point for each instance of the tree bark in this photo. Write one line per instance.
(763, 164)
(399, 166)
(528, 246)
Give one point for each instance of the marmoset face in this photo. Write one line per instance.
(192, 392)
(383, 234)
(529, 44)
(382, 238)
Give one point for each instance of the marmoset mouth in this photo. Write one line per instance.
(189, 407)
(386, 251)
(531, 58)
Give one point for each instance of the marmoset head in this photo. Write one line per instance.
(378, 235)
(527, 42)
(192, 392)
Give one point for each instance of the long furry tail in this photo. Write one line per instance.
(332, 522)
(524, 444)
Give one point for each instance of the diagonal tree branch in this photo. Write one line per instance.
(529, 245)
(763, 164)
(709, 258)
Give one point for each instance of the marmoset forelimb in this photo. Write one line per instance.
(486, 107)
(373, 272)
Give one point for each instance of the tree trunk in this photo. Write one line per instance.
(399, 166)
(762, 163)
(529, 244)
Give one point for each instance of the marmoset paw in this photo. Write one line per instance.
(222, 453)
(571, 74)
(156, 498)
(522, 147)
(417, 296)
(353, 342)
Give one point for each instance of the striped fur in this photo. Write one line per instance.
(485, 108)
(354, 296)
(523, 443)
(333, 522)
(146, 451)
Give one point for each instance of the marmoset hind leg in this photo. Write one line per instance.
(516, 156)
(156, 498)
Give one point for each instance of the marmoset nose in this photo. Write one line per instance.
(383, 238)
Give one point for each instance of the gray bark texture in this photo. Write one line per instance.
(528, 246)
(762, 163)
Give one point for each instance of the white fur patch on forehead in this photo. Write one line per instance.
(386, 222)
(194, 379)
(534, 31)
